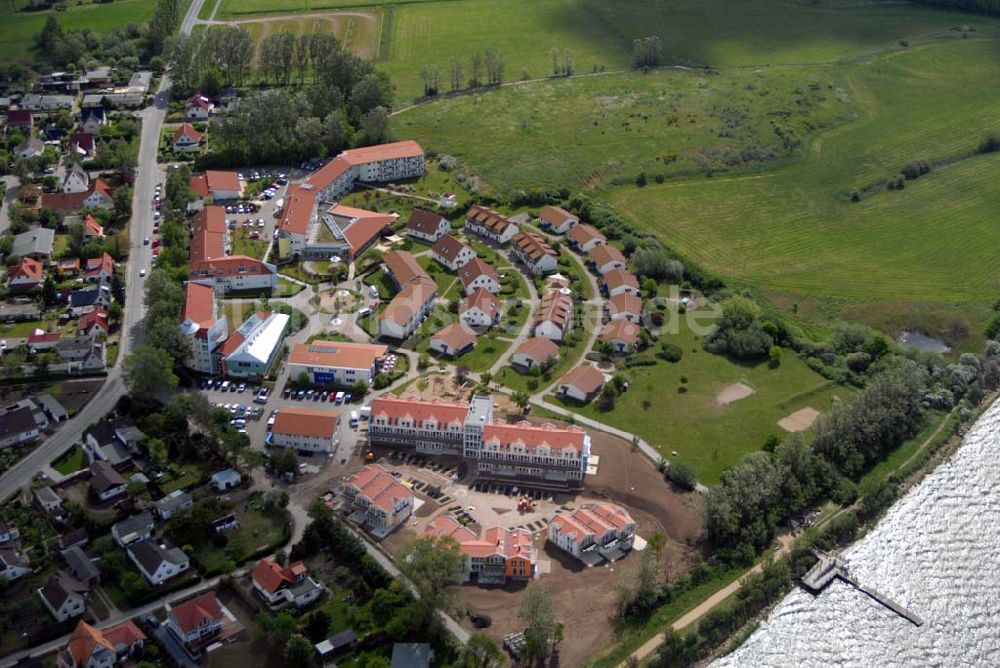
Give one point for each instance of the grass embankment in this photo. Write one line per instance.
(71, 462)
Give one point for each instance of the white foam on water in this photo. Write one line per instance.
(936, 552)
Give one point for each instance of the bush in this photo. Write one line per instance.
(683, 475)
(990, 143)
(670, 351)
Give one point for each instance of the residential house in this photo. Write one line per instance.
(186, 139)
(64, 596)
(226, 479)
(235, 273)
(280, 585)
(106, 483)
(413, 302)
(605, 257)
(453, 340)
(377, 500)
(100, 268)
(557, 220)
(625, 306)
(133, 529)
(53, 410)
(203, 326)
(86, 300)
(8, 532)
(490, 225)
(480, 309)
(196, 621)
(32, 147)
(92, 230)
(341, 231)
(88, 353)
(82, 145)
(621, 335)
(48, 500)
(89, 647)
(305, 429)
(36, 243)
(198, 107)
(20, 119)
(69, 267)
(25, 276)
(554, 318)
(411, 655)
(98, 196)
(93, 119)
(497, 557)
(336, 363)
(594, 532)
(77, 180)
(94, 323)
(451, 252)
(536, 351)
(13, 565)
(426, 226)
(81, 566)
(533, 251)
(175, 502)
(476, 274)
(372, 164)
(219, 185)
(157, 562)
(620, 281)
(21, 422)
(581, 383)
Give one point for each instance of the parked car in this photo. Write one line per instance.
(339, 398)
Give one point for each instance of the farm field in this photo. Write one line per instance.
(357, 31)
(706, 433)
(920, 257)
(229, 9)
(718, 33)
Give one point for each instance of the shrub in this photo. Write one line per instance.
(990, 143)
(683, 475)
(670, 351)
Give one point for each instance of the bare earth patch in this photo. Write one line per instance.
(733, 393)
(800, 420)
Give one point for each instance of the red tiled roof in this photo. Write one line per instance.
(69, 264)
(124, 634)
(393, 151)
(539, 349)
(379, 487)
(620, 277)
(230, 265)
(621, 330)
(424, 221)
(403, 267)
(96, 318)
(190, 615)
(482, 299)
(306, 422)
(199, 185)
(625, 302)
(585, 378)
(340, 354)
(230, 345)
(38, 336)
(101, 187)
(64, 201)
(447, 525)
(91, 224)
(555, 215)
(200, 101)
(456, 336)
(219, 180)
(83, 141)
(555, 307)
(602, 254)
(532, 245)
(410, 300)
(448, 247)
(84, 641)
(198, 304)
(438, 411)
(299, 204)
(365, 225)
(186, 130)
(105, 263)
(475, 268)
(329, 173)
(19, 117)
(28, 268)
(533, 436)
(208, 229)
(488, 218)
(270, 575)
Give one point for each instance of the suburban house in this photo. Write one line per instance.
(414, 300)
(175, 502)
(622, 335)
(480, 309)
(554, 317)
(377, 500)
(581, 383)
(87, 353)
(198, 107)
(197, 620)
(203, 326)
(20, 119)
(336, 363)
(36, 243)
(13, 564)
(97, 196)
(77, 180)
(226, 479)
(64, 596)
(541, 456)
(92, 119)
(25, 276)
(99, 269)
(619, 281)
(252, 349)
(32, 147)
(186, 139)
(497, 557)
(100, 443)
(490, 225)
(106, 483)
(298, 219)
(451, 252)
(453, 340)
(220, 186)
(605, 257)
(90, 647)
(557, 219)
(327, 650)
(535, 253)
(81, 145)
(156, 562)
(69, 266)
(21, 422)
(133, 529)
(305, 429)
(625, 306)
(594, 532)
(48, 500)
(426, 226)
(92, 229)
(279, 585)
(81, 566)
(536, 351)
(476, 274)
(372, 164)
(94, 323)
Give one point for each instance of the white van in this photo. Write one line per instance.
(364, 313)
(354, 419)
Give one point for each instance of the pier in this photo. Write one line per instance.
(831, 566)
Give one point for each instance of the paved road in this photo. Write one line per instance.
(149, 174)
(11, 194)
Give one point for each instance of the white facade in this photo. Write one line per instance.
(463, 256)
(307, 442)
(73, 606)
(474, 317)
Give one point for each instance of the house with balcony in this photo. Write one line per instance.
(283, 585)
(593, 533)
(196, 622)
(557, 219)
(535, 253)
(497, 557)
(490, 225)
(377, 501)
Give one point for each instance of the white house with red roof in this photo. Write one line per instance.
(594, 532)
(25, 275)
(280, 585)
(91, 228)
(554, 318)
(203, 326)
(480, 309)
(620, 281)
(557, 219)
(196, 621)
(584, 237)
(547, 454)
(427, 226)
(96, 321)
(581, 383)
(625, 306)
(535, 253)
(305, 429)
(42, 340)
(99, 268)
(536, 351)
(622, 335)
(453, 340)
(432, 427)
(198, 107)
(476, 274)
(186, 139)
(496, 557)
(605, 257)
(90, 647)
(218, 185)
(377, 500)
(490, 225)
(451, 252)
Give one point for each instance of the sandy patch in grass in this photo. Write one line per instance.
(800, 420)
(732, 393)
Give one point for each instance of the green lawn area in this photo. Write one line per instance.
(70, 462)
(707, 435)
(244, 245)
(231, 8)
(183, 476)
(444, 277)
(256, 532)
(431, 185)
(570, 355)
(922, 257)
(287, 289)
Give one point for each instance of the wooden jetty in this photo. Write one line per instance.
(830, 565)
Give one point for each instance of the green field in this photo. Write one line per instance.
(358, 32)
(710, 436)
(230, 9)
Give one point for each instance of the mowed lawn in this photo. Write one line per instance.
(706, 434)
(600, 32)
(357, 32)
(923, 257)
(230, 9)
(571, 133)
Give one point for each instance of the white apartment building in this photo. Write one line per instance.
(305, 429)
(594, 532)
